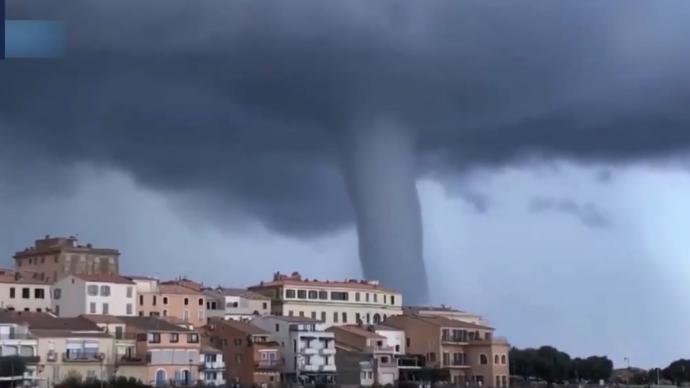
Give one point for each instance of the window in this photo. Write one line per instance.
(153, 338)
(496, 359)
(504, 379)
(57, 310)
(201, 301)
(39, 293)
(313, 294)
(344, 317)
(301, 294)
(165, 312)
(358, 318)
(384, 299)
(105, 290)
(165, 300)
(174, 338)
(141, 300)
(186, 315)
(367, 297)
(193, 338)
(290, 313)
(323, 295)
(130, 309)
(154, 301)
(336, 295)
(368, 318)
(376, 296)
(377, 318)
(313, 315)
(290, 294)
(503, 359)
(265, 306)
(38, 310)
(392, 299)
(335, 317)
(130, 292)
(105, 308)
(432, 357)
(277, 327)
(92, 290)
(498, 381)
(186, 301)
(238, 341)
(397, 348)
(26, 293)
(483, 360)
(407, 342)
(12, 293)
(323, 316)
(92, 308)
(357, 296)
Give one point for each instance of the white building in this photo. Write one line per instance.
(236, 303)
(309, 350)
(446, 312)
(16, 340)
(332, 302)
(74, 295)
(212, 367)
(394, 338)
(21, 293)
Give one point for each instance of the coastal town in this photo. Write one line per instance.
(67, 312)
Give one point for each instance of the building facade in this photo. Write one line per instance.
(308, 349)
(470, 352)
(252, 357)
(379, 355)
(51, 258)
(178, 298)
(331, 302)
(79, 294)
(18, 293)
(236, 303)
(446, 312)
(17, 341)
(212, 367)
(165, 353)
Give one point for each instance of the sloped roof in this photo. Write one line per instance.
(152, 324)
(358, 330)
(104, 278)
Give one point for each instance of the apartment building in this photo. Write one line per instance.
(124, 346)
(468, 351)
(51, 258)
(236, 303)
(308, 349)
(447, 312)
(66, 346)
(212, 367)
(331, 302)
(79, 294)
(251, 354)
(181, 299)
(379, 357)
(19, 293)
(17, 341)
(165, 353)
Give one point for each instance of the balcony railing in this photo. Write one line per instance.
(490, 340)
(212, 365)
(7, 336)
(268, 364)
(82, 357)
(456, 363)
(454, 339)
(133, 360)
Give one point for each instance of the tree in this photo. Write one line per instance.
(592, 368)
(678, 371)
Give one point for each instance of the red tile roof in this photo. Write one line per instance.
(357, 330)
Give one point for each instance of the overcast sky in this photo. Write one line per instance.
(207, 139)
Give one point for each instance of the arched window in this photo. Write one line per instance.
(483, 360)
(496, 359)
(503, 359)
(377, 318)
(160, 377)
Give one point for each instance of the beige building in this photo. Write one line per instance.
(447, 312)
(468, 351)
(331, 302)
(18, 293)
(181, 299)
(53, 257)
(236, 303)
(165, 353)
(379, 355)
(66, 347)
(78, 294)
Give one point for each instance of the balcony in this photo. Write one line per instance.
(309, 351)
(268, 364)
(454, 340)
(317, 368)
(490, 341)
(212, 366)
(133, 360)
(82, 357)
(456, 364)
(327, 351)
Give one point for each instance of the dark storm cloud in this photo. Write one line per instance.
(588, 213)
(246, 101)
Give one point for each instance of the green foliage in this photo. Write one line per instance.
(118, 382)
(678, 371)
(553, 366)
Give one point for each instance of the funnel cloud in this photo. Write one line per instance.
(272, 109)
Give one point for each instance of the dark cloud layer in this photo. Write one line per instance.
(588, 213)
(244, 102)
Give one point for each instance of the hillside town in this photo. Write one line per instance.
(67, 312)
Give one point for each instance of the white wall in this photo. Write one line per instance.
(74, 299)
(394, 338)
(18, 303)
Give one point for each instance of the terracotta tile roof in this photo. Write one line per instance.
(177, 289)
(10, 279)
(45, 321)
(102, 318)
(210, 350)
(357, 330)
(240, 292)
(241, 326)
(104, 278)
(152, 324)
